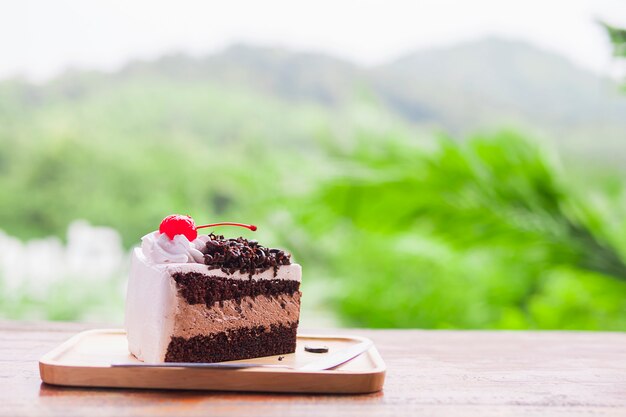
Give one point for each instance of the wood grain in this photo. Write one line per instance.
(438, 373)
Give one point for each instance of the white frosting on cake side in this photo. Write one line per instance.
(150, 309)
(152, 298)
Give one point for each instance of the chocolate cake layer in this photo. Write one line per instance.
(197, 288)
(198, 319)
(242, 343)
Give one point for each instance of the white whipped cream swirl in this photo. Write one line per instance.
(158, 248)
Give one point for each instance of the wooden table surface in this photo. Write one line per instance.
(429, 373)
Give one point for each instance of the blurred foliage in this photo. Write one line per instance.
(618, 37)
(393, 228)
(68, 300)
(486, 233)
(105, 159)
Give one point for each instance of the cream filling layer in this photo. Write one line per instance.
(290, 272)
(198, 319)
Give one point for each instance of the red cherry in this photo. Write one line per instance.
(178, 224)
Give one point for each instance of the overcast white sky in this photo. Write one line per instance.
(39, 39)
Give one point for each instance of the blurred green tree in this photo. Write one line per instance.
(486, 233)
(618, 38)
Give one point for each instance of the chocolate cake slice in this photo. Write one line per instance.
(209, 300)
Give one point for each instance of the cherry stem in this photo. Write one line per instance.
(247, 226)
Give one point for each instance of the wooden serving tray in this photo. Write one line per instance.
(85, 360)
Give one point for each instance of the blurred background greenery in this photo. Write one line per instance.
(413, 194)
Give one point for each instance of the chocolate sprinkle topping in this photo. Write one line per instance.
(243, 255)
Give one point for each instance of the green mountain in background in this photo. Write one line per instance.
(482, 85)
(494, 82)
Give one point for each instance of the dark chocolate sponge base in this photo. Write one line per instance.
(244, 343)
